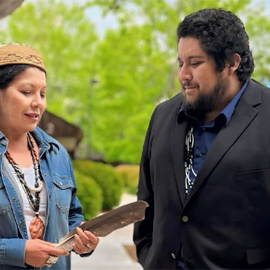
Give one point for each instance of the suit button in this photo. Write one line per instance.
(173, 255)
(185, 218)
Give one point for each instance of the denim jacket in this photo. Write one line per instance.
(64, 211)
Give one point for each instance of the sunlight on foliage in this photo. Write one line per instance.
(134, 67)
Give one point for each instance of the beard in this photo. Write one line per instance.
(207, 100)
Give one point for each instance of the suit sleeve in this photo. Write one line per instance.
(143, 230)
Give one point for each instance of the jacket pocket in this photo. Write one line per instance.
(63, 187)
(5, 206)
(258, 255)
(255, 175)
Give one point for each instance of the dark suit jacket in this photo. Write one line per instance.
(225, 221)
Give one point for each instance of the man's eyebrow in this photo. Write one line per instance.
(191, 57)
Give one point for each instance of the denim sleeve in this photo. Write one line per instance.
(75, 211)
(12, 251)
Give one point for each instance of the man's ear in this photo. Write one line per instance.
(234, 63)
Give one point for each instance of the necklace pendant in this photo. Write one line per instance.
(36, 228)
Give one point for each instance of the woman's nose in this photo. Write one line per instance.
(38, 101)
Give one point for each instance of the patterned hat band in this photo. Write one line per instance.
(14, 54)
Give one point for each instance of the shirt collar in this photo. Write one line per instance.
(226, 112)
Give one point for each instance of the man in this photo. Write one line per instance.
(205, 166)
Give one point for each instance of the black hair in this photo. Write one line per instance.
(9, 72)
(221, 34)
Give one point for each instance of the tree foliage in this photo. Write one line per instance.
(135, 65)
(142, 70)
(65, 37)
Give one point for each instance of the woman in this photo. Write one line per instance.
(38, 203)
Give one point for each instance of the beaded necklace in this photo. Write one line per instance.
(36, 227)
(189, 145)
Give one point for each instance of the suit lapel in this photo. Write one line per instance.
(177, 148)
(243, 115)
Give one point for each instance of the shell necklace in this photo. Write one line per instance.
(36, 227)
(189, 145)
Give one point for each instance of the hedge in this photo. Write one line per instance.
(105, 176)
(89, 194)
(130, 175)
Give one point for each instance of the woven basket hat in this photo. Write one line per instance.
(20, 54)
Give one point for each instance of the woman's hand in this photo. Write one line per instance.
(37, 252)
(85, 241)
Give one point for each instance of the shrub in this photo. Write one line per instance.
(105, 176)
(130, 175)
(89, 194)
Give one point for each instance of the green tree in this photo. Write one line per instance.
(130, 66)
(138, 65)
(65, 37)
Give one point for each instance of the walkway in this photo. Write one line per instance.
(111, 253)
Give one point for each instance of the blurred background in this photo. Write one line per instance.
(109, 63)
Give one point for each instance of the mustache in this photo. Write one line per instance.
(188, 84)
